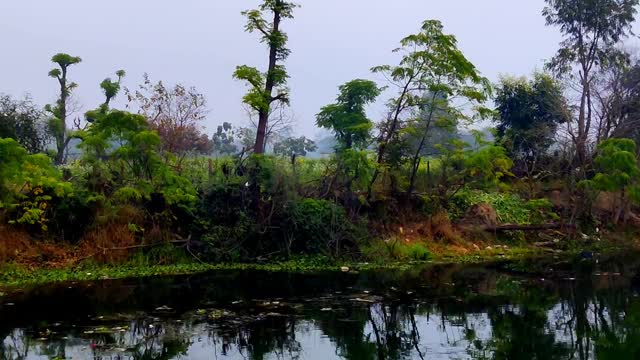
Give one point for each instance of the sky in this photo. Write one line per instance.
(200, 42)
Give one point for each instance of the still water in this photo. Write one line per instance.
(584, 310)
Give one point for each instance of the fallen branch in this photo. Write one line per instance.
(517, 227)
(145, 245)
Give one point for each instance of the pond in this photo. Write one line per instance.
(588, 309)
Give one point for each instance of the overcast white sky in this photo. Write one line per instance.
(199, 43)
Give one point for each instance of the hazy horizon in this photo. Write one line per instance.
(199, 43)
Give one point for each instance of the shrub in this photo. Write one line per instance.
(395, 249)
(416, 252)
(319, 226)
(29, 184)
(510, 208)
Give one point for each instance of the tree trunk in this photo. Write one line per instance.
(415, 162)
(581, 140)
(263, 115)
(263, 118)
(61, 143)
(386, 136)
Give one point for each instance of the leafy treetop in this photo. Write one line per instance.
(347, 117)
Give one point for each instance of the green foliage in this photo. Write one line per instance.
(28, 185)
(417, 252)
(294, 146)
(487, 166)
(261, 85)
(617, 172)
(23, 121)
(432, 63)
(224, 140)
(591, 30)
(319, 226)
(617, 165)
(255, 97)
(141, 173)
(347, 117)
(126, 195)
(510, 208)
(111, 88)
(352, 129)
(395, 249)
(528, 113)
(64, 61)
(355, 168)
(482, 168)
(135, 159)
(57, 124)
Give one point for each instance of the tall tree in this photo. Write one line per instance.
(347, 117)
(111, 88)
(224, 140)
(433, 127)
(262, 85)
(591, 30)
(431, 62)
(528, 113)
(616, 91)
(60, 111)
(628, 124)
(294, 146)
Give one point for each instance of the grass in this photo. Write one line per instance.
(14, 276)
(397, 255)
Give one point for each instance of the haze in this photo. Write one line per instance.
(200, 42)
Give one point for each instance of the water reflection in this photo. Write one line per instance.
(444, 312)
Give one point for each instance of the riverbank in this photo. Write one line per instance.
(257, 314)
(15, 276)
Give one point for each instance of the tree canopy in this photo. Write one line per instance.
(347, 117)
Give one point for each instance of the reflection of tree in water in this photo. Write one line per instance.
(520, 331)
(514, 320)
(157, 342)
(140, 342)
(255, 340)
(347, 332)
(600, 324)
(15, 346)
(395, 330)
(584, 324)
(378, 331)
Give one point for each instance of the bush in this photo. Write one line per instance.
(510, 208)
(319, 226)
(395, 249)
(29, 184)
(416, 252)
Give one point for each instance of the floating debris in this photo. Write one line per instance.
(363, 300)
